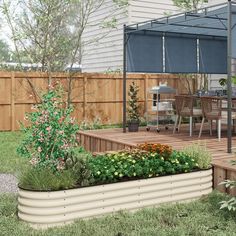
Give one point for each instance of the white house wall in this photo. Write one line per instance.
(214, 2)
(142, 10)
(106, 54)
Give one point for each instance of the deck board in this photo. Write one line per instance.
(113, 139)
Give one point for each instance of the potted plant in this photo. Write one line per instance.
(133, 108)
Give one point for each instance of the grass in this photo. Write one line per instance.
(10, 162)
(198, 218)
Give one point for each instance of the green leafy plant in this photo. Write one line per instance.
(231, 203)
(200, 154)
(77, 161)
(95, 124)
(51, 132)
(133, 107)
(36, 178)
(136, 163)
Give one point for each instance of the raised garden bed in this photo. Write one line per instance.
(45, 209)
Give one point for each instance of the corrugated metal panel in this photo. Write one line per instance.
(45, 209)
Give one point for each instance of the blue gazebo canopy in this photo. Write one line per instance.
(202, 41)
(190, 42)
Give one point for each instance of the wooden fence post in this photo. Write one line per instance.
(85, 97)
(145, 92)
(13, 90)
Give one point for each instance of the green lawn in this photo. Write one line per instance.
(10, 162)
(198, 218)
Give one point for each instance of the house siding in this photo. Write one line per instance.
(214, 2)
(106, 54)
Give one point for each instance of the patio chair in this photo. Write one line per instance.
(211, 110)
(185, 108)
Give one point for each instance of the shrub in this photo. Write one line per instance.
(133, 106)
(36, 178)
(137, 164)
(164, 150)
(51, 132)
(200, 154)
(95, 124)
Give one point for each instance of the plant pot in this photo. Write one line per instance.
(133, 126)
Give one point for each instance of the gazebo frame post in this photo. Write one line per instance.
(124, 77)
(229, 80)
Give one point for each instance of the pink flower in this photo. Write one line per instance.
(40, 140)
(49, 128)
(61, 119)
(34, 161)
(72, 120)
(61, 164)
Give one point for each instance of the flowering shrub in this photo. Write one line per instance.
(164, 150)
(51, 133)
(134, 163)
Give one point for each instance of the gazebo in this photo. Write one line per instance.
(191, 42)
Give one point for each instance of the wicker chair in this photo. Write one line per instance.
(184, 108)
(211, 110)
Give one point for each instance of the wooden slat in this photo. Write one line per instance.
(94, 95)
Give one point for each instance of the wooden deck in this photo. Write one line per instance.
(115, 139)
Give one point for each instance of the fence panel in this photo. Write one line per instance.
(93, 95)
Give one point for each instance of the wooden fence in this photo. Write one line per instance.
(93, 95)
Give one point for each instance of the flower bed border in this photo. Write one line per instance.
(52, 208)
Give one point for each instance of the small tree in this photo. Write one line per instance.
(4, 51)
(133, 109)
(51, 133)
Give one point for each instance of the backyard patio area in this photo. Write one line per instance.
(115, 139)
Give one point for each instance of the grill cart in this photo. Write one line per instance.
(160, 111)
